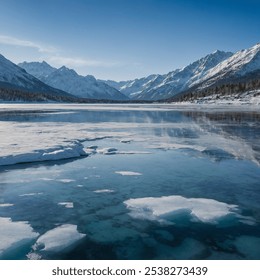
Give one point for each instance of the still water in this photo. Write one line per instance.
(159, 183)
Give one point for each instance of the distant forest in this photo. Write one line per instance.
(239, 86)
(221, 90)
(10, 94)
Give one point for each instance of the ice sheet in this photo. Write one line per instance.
(43, 141)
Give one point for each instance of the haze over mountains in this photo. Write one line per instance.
(217, 68)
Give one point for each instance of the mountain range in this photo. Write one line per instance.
(12, 77)
(69, 81)
(206, 72)
(204, 75)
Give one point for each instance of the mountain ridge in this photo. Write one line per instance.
(69, 80)
(14, 77)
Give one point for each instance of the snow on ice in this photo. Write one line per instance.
(128, 173)
(59, 238)
(165, 207)
(14, 234)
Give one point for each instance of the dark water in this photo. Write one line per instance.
(95, 208)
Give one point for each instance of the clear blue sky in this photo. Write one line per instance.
(125, 39)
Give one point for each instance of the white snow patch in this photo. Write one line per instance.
(159, 208)
(59, 238)
(14, 234)
(107, 151)
(31, 194)
(128, 173)
(73, 150)
(133, 152)
(6, 205)
(47, 179)
(104, 191)
(66, 204)
(65, 180)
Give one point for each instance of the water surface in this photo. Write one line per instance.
(177, 184)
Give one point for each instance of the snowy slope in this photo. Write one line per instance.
(182, 79)
(238, 65)
(156, 87)
(68, 80)
(12, 76)
(213, 69)
(133, 88)
(39, 70)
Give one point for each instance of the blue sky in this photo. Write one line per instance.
(125, 39)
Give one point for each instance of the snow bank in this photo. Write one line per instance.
(73, 150)
(14, 234)
(58, 238)
(128, 173)
(166, 207)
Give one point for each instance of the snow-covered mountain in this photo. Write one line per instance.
(133, 88)
(214, 69)
(238, 65)
(68, 80)
(14, 77)
(40, 70)
(156, 87)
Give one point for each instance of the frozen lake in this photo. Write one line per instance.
(129, 182)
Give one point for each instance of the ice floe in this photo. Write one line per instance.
(107, 151)
(128, 173)
(59, 238)
(31, 194)
(73, 150)
(165, 207)
(6, 204)
(65, 180)
(104, 191)
(66, 204)
(14, 234)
